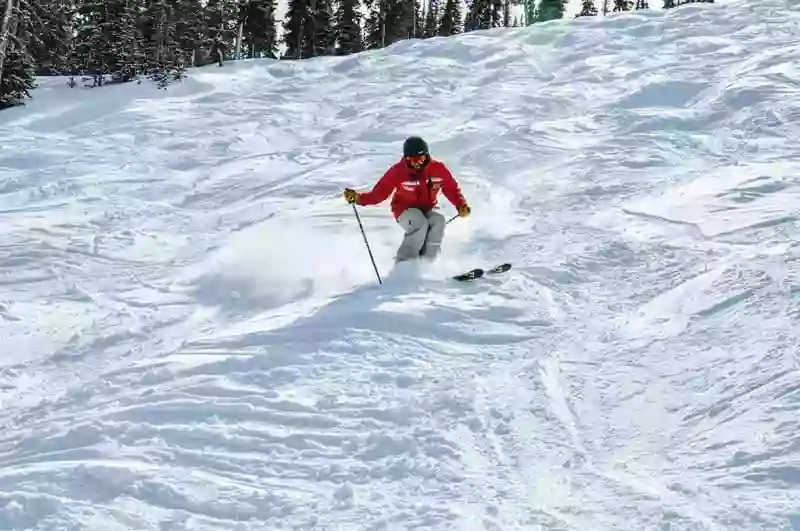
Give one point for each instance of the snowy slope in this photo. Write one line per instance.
(193, 337)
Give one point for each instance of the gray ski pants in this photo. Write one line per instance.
(423, 234)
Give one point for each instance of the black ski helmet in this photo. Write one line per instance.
(414, 145)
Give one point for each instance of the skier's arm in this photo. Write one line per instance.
(451, 190)
(382, 189)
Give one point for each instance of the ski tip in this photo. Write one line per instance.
(470, 275)
(478, 272)
(501, 268)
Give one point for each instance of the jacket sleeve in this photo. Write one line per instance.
(450, 188)
(382, 189)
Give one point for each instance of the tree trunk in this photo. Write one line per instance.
(239, 40)
(383, 24)
(5, 31)
(413, 19)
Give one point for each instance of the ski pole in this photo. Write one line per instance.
(364, 234)
(451, 219)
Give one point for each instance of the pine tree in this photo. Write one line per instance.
(669, 4)
(622, 5)
(51, 44)
(91, 41)
(499, 14)
(308, 29)
(431, 24)
(550, 10)
(529, 11)
(389, 21)
(7, 29)
(161, 54)
(17, 30)
(507, 5)
(400, 20)
(483, 14)
(642, 4)
(324, 34)
(295, 29)
(588, 9)
(190, 31)
(348, 28)
(259, 35)
(18, 77)
(450, 23)
(419, 19)
(108, 40)
(221, 19)
(406, 23)
(374, 27)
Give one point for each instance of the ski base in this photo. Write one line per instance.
(479, 272)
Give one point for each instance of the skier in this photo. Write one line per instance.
(415, 180)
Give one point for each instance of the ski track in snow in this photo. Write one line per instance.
(193, 336)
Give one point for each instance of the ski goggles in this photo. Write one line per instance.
(416, 160)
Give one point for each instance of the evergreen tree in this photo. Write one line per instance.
(622, 5)
(605, 9)
(550, 10)
(108, 40)
(161, 54)
(450, 23)
(529, 12)
(401, 20)
(190, 31)
(431, 24)
(308, 29)
(484, 14)
(669, 4)
(18, 25)
(390, 21)
(259, 35)
(221, 18)
(324, 34)
(374, 27)
(51, 45)
(641, 4)
(373, 24)
(92, 47)
(419, 19)
(587, 9)
(18, 76)
(296, 36)
(10, 11)
(347, 28)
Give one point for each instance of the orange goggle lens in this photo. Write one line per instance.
(416, 160)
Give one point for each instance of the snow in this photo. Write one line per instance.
(193, 337)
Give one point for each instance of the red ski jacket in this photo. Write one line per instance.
(414, 188)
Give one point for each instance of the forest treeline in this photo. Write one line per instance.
(96, 42)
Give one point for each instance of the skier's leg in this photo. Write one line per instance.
(415, 226)
(433, 242)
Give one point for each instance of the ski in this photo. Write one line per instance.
(472, 274)
(479, 272)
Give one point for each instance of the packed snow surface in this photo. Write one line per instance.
(193, 337)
